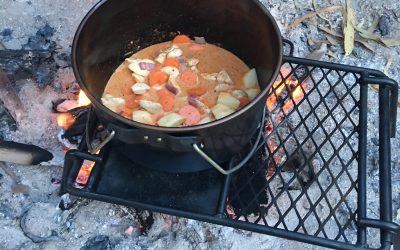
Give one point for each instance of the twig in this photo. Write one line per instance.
(312, 14)
(34, 238)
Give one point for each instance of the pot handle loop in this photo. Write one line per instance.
(255, 147)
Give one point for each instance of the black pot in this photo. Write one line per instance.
(113, 28)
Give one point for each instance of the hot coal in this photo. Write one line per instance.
(99, 242)
(303, 170)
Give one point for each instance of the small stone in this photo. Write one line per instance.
(375, 141)
(384, 24)
(6, 32)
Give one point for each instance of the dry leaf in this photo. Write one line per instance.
(374, 87)
(388, 64)
(331, 39)
(374, 25)
(319, 14)
(335, 34)
(388, 42)
(299, 20)
(349, 31)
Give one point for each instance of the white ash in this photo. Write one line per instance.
(94, 218)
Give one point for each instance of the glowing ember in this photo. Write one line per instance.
(83, 100)
(65, 120)
(84, 172)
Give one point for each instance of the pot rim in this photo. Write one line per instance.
(132, 123)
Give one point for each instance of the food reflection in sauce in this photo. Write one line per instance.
(180, 83)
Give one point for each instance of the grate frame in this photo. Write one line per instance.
(317, 73)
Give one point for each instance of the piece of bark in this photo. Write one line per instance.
(10, 98)
(23, 154)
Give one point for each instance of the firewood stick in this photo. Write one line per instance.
(23, 154)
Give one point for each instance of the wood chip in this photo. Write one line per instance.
(349, 30)
(301, 19)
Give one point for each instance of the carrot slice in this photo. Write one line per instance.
(189, 78)
(131, 102)
(181, 39)
(244, 101)
(198, 91)
(173, 62)
(157, 77)
(166, 99)
(127, 112)
(191, 114)
(209, 102)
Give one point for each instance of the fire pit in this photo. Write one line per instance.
(311, 141)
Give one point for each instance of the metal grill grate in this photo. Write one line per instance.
(309, 149)
(307, 181)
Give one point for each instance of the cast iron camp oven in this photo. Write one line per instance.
(113, 30)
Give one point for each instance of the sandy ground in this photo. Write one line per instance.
(21, 19)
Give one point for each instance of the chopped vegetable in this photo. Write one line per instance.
(131, 102)
(250, 79)
(166, 99)
(191, 114)
(220, 111)
(161, 57)
(210, 77)
(193, 101)
(140, 66)
(181, 39)
(171, 71)
(244, 101)
(171, 88)
(176, 52)
(112, 102)
(252, 93)
(127, 112)
(228, 100)
(140, 88)
(223, 87)
(146, 66)
(197, 91)
(142, 117)
(239, 93)
(158, 77)
(206, 119)
(152, 107)
(171, 120)
(173, 62)
(223, 76)
(188, 78)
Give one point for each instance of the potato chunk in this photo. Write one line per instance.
(228, 100)
(171, 120)
(142, 117)
(220, 111)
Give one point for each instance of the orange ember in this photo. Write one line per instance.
(65, 120)
(84, 172)
(83, 100)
